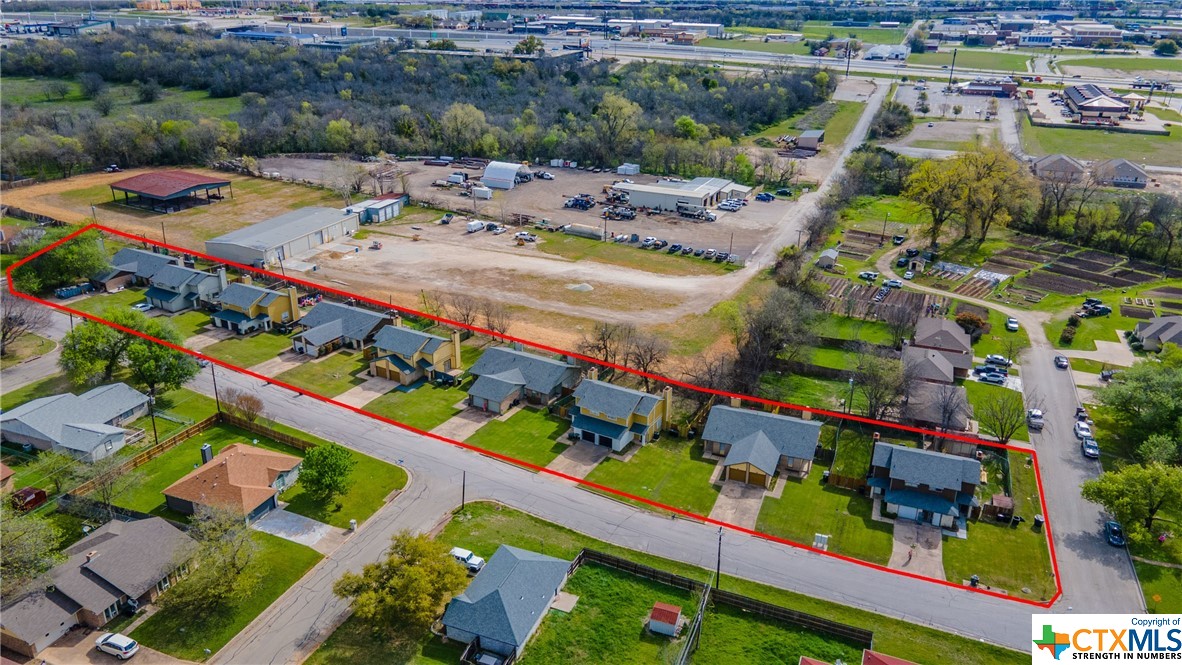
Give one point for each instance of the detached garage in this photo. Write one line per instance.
(505, 175)
(284, 237)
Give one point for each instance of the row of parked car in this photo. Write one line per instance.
(995, 370)
(685, 250)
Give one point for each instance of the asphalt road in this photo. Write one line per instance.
(308, 611)
(1095, 577)
(40, 367)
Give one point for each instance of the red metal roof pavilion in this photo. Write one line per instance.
(169, 190)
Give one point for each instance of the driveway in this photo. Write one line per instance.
(77, 647)
(208, 337)
(738, 503)
(289, 359)
(464, 424)
(299, 529)
(918, 548)
(1114, 353)
(360, 395)
(579, 459)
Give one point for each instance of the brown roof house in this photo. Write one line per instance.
(121, 565)
(241, 478)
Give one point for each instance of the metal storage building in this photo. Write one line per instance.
(502, 175)
(668, 194)
(283, 237)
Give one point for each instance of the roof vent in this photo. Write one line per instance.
(91, 555)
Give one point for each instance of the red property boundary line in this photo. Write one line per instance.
(529, 465)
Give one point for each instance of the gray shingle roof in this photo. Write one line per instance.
(1058, 164)
(613, 401)
(1119, 168)
(84, 437)
(283, 229)
(926, 467)
(141, 263)
(496, 387)
(754, 449)
(98, 406)
(942, 334)
(928, 364)
(323, 333)
(406, 342)
(508, 596)
(541, 375)
(355, 323)
(246, 295)
(174, 278)
(1158, 331)
(31, 616)
(925, 404)
(793, 437)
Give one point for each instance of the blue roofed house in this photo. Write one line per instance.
(406, 355)
(176, 288)
(329, 326)
(924, 485)
(755, 445)
(246, 308)
(506, 375)
(611, 415)
(133, 266)
(506, 602)
(89, 426)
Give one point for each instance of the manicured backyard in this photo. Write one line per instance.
(278, 564)
(482, 527)
(100, 302)
(606, 625)
(808, 507)
(425, 407)
(670, 471)
(846, 327)
(251, 350)
(329, 376)
(530, 435)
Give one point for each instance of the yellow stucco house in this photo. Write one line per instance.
(406, 355)
(247, 308)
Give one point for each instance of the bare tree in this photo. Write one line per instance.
(900, 321)
(109, 478)
(346, 178)
(497, 316)
(242, 404)
(778, 327)
(712, 372)
(880, 380)
(19, 317)
(645, 353)
(1001, 414)
(432, 303)
(464, 308)
(606, 341)
(952, 405)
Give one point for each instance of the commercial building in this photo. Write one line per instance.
(887, 52)
(80, 27)
(284, 237)
(380, 208)
(1094, 104)
(670, 194)
(505, 175)
(1087, 34)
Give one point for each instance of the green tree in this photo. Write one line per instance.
(462, 127)
(1135, 494)
(1146, 399)
(28, 548)
(325, 471)
(338, 135)
(1160, 448)
(892, 120)
(1165, 47)
(93, 351)
(442, 45)
(615, 124)
(67, 264)
(408, 588)
(225, 552)
(58, 468)
(529, 46)
(935, 184)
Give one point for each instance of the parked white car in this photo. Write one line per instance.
(119, 646)
(1083, 430)
(470, 561)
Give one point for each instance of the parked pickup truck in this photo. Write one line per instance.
(470, 561)
(1034, 419)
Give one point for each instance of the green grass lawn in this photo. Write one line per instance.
(785, 48)
(607, 624)
(330, 376)
(279, 564)
(1090, 366)
(978, 392)
(190, 323)
(1101, 328)
(670, 471)
(809, 507)
(425, 407)
(730, 635)
(626, 255)
(1100, 144)
(250, 350)
(809, 391)
(101, 302)
(482, 527)
(1012, 558)
(355, 643)
(826, 356)
(842, 123)
(822, 29)
(852, 458)
(999, 340)
(876, 209)
(50, 385)
(1162, 587)
(21, 464)
(1131, 65)
(845, 327)
(24, 348)
(530, 435)
(973, 59)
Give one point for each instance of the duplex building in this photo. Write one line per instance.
(134, 266)
(120, 565)
(505, 603)
(923, 485)
(329, 326)
(1120, 173)
(756, 445)
(284, 237)
(244, 479)
(177, 288)
(246, 308)
(947, 338)
(615, 416)
(89, 426)
(406, 355)
(505, 375)
(1059, 168)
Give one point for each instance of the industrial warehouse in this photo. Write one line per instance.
(669, 194)
(288, 236)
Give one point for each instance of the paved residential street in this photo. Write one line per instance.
(308, 611)
(19, 376)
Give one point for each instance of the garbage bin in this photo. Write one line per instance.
(974, 581)
(825, 477)
(1038, 520)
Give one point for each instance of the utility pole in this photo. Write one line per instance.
(463, 489)
(718, 563)
(216, 398)
(952, 69)
(162, 233)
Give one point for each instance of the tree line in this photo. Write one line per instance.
(383, 98)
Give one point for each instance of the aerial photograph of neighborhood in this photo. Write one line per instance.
(632, 332)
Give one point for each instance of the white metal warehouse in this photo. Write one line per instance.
(502, 175)
(668, 194)
(283, 237)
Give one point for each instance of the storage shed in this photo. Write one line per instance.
(664, 619)
(283, 237)
(504, 175)
(811, 139)
(827, 259)
(380, 208)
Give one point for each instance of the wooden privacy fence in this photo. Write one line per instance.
(154, 451)
(638, 569)
(845, 482)
(263, 430)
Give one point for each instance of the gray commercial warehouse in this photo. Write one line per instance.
(669, 194)
(284, 237)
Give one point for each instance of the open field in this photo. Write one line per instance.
(426, 407)
(250, 350)
(330, 375)
(31, 91)
(1130, 65)
(628, 256)
(874, 35)
(1096, 144)
(482, 527)
(974, 59)
(785, 48)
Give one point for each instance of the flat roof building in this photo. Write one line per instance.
(284, 237)
(669, 194)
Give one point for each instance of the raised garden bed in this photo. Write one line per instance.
(1045, 281)
(1137, 312)
(1099, 257)
(1083, 264)
(1025, 255)
(1172, 306)
(975, 288)
(1001, 263)
(1057, 248)
(1088, 275)
(1026, 241)
(1133, 276)
(1165, 292)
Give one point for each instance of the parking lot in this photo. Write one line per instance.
(941, 103)
(1054, 112)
